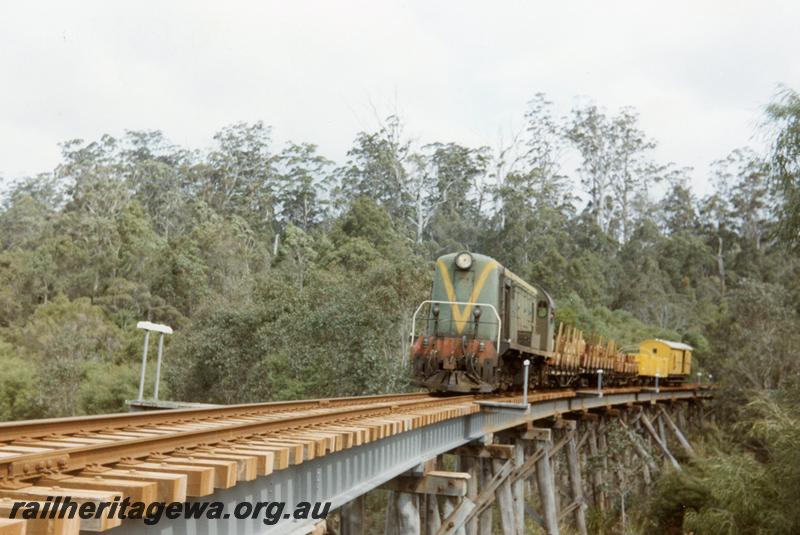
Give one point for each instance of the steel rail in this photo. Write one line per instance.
(32, 429)
(29, 429)
(75, 458)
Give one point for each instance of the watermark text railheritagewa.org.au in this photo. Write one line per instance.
(151, 513)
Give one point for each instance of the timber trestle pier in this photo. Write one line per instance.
(446, 461)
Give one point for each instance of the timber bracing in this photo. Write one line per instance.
(536, 456)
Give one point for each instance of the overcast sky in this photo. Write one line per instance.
(698, 72)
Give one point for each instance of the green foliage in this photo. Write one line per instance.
(19, 388)
(341, 313)
(783, 122)
(62, 340)
(757, 340)
(745, 482)
(739, 504)
(302, 179)
(675, 494)
(776, 431)
(107, 386)
(619, 325)
(377, 168)
(225, 357)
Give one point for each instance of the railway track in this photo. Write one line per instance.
(167, 456)
(172, 455)
(43, 427)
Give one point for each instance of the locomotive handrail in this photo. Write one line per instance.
(460, 303)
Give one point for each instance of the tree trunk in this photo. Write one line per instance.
(720, 266)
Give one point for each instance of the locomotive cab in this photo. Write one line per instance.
(530, 316)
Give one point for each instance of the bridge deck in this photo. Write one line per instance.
(316, 451)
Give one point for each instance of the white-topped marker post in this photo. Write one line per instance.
(527, 365)
(599, 382)
(159, 328)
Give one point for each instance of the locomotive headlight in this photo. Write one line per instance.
(435, 310)
(477, 313)
(464, 261)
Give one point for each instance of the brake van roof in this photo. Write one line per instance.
(676, 345)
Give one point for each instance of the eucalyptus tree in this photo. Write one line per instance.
(239, 176)
(743, 178)
(616, 168)
(30, 246)
(413, 184)
(590, 132)
(454, 213)
(441, 181)
(735, 181)
(533, 200)
(377, 167)
(156, 172)
(304, 180)
(632, 169)
(60, 340)
(533, 150)
(678, 210)
(96, 195)
(29, 208)
(783, 126)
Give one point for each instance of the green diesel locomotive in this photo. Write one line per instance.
(483, 321)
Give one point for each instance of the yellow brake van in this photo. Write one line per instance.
(679, 355)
